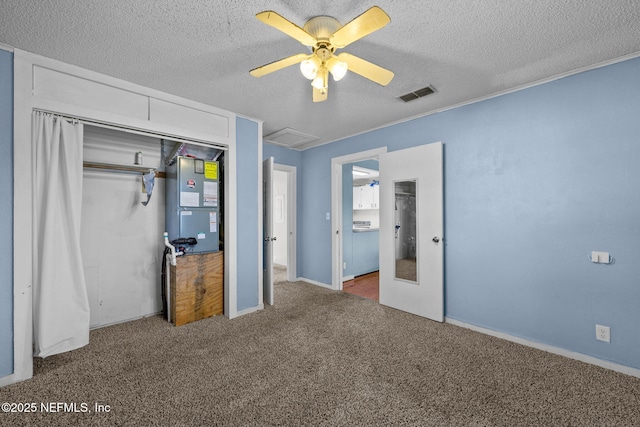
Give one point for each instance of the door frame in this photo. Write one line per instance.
(292, 204)
(336, 209)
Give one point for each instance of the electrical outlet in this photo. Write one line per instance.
(344, 265)
(603, 333)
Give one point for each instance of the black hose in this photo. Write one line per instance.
(185, 241)
(163, 284)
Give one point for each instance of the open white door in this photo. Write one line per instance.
(267, 206)
(411, 225)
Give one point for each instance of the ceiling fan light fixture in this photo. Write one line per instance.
(324, 34)
(309, 67)
(337, 68)
(321, 80)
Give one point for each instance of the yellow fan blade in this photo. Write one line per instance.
(365, 24)
(373, 72)
(278, 22)
(320, 95)
(278, 65)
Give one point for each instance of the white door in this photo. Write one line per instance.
(290, 203)
(267, 227)
(411, 225)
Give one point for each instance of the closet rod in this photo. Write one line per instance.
(121, 168)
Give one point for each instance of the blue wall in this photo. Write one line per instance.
(283, 156)
(248, 215)
(6, 213)
(366, 252)
(534, 181)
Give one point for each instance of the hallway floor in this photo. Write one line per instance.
(366, 286)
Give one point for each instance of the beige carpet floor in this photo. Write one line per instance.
(279, 273)
(320, 358)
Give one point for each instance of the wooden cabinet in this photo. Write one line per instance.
(197, 287)
(366, 197)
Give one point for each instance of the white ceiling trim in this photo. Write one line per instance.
(203, 51)
(473, 101)
(6, 47)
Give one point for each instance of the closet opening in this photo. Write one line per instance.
(128, 200)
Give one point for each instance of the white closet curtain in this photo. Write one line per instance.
(60, 302)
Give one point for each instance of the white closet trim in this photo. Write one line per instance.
(112, 126)
(48, 85)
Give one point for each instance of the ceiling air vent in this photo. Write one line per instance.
(417, 94)
(291, 138)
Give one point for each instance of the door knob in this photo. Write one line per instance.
(435, 239)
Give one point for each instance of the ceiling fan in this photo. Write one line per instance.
(324, 34)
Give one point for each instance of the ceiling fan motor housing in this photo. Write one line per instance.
(322, 27)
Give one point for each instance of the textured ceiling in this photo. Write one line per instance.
(203, 50)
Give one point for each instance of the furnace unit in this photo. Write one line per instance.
(192, 205)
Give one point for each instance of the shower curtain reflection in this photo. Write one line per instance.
(405, 230)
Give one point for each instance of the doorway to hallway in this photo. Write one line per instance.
(342, 231)
(285, 222)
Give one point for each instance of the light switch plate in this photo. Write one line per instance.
(600, 257)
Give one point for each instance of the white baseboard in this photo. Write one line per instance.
(634, 372)
(347, 278)
(131, 319)
(313, 282)
(10, 379)
(248, 310)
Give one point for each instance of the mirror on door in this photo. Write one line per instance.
(405, 230)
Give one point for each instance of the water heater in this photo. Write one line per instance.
(192, 203)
